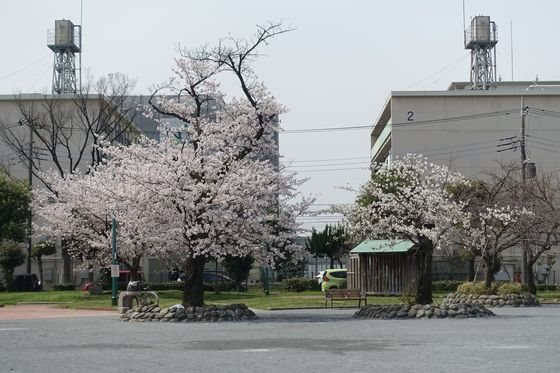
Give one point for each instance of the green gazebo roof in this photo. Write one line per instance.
(382, 246)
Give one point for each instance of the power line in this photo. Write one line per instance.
(328, 159)
(39, 78)
(406, 124)
(545, 149)
(453, 147)
(545, 144)
(336, 169)
(452, 64)
(545, 139)
(457, 151)
(462, 156)
(25, 68)
(329, 164)
(426, 152)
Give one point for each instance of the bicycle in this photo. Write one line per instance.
(144, 296)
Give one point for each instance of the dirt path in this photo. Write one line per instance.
(29, 311)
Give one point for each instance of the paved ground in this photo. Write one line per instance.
(519, 340)
(46, 312)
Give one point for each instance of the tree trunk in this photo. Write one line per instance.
(66, 264)
(40, 267)
(530, 273)
(193, 292)
(492, 264)
(424, 282)
(134, 276)
(134, 267)
(488, 278)
(90, 273)
(470, 269)
(531, 280)
(332, 261)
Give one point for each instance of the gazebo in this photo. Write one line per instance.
(382, 266)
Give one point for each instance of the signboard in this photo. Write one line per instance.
(115, 270)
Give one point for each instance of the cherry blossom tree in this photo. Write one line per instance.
(542, 196)
(409, 199)
(81, 210)
(532, 224)
(495, 230)
(212, 186)
(506, 214)
(221, 157)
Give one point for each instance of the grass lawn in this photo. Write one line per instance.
(548, 296)
(252, 298)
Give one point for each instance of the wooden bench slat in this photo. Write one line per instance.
(345, 294)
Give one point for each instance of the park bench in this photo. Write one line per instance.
(345, 294)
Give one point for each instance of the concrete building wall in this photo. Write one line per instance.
(470, 146)
(13, 111)
(462, 129)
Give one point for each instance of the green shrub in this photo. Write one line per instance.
(477, 288)
(495, 289)
(450, 286)
(219, 286)
(550, 287)
(408, 296)
(300, 284)
(11, 256)
(510, 288)
(64, 287)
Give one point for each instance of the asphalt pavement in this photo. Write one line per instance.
(517, 340)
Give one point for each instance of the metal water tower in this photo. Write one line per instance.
(65, 41)
(481, 38)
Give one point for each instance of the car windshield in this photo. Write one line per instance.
(338, 274)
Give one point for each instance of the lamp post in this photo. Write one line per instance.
(114, 266)
(266, 284)
(523, 185)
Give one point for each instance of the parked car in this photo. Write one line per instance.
(334, 279)
(217, 281)
(319, 277)
(26, 282)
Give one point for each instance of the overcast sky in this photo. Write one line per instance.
(336, 69)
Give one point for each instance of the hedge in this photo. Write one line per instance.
(64, 287)
(449, 286)
(300, 284)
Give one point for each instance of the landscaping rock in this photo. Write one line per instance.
(429, 311)
(506, 300)
(178, 313)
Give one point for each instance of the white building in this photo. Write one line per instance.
(472, 131)
(63, 140)
(464, 128)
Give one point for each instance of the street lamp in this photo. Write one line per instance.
(114, 264)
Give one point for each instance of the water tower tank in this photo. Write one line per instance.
(482, 32)
(481, 29)
(63, 32)
(64, 36)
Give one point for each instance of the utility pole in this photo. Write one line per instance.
(30, 214)
(523, 186)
